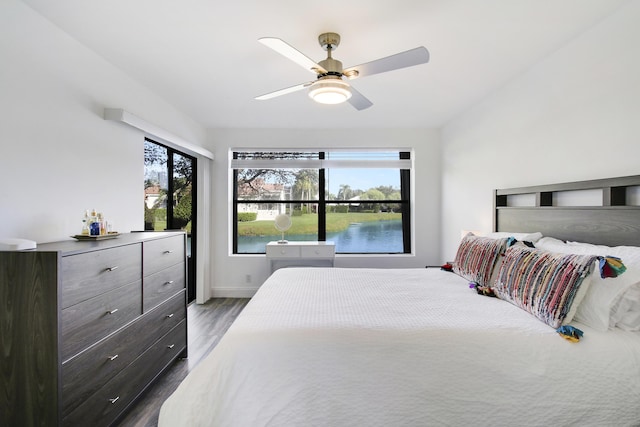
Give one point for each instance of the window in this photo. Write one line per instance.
(169, 197)
(358, 199)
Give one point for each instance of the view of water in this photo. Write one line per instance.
(366, 237)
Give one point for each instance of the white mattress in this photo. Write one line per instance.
(413, 347)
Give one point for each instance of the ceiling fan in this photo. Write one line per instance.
(329, 87)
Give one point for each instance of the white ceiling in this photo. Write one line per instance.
(203, 57)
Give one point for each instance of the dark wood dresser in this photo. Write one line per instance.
(85, 327)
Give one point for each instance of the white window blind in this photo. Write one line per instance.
(299, 159)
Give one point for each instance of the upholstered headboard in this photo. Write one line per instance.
(614, 221)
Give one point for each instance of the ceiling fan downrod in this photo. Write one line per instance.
(329, 42)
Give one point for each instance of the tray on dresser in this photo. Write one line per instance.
(100, 237)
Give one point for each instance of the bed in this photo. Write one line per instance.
(416, 347)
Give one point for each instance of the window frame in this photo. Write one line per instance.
(405, 190)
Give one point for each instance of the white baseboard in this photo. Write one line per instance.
(233, 292)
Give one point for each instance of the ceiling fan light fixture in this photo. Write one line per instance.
(330, 91)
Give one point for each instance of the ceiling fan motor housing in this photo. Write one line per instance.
(329, 40)
(333, 67)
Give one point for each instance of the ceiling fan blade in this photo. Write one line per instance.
(409, 58)
(292, 53)
(283, 91)
(358, 100)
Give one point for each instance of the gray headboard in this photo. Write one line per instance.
(613, 222)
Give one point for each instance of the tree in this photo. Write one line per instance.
(394, 196)
(154, 154)
(387, 190)
(345, 192)
(183, 171)
(373, 194)
(182, 211)
(250, 181)
(306, 182)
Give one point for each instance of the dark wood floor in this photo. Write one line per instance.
(207, 323)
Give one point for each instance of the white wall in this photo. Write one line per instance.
(230, 271)
(58, 156)
(574, 116)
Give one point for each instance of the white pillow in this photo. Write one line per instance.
(630, 255)
(527, 237)
(551, 244)
(626, 311)
(600, 304)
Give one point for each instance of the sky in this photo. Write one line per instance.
(362, 179)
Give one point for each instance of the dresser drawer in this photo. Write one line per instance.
(88, 322)
(161, 285)
(92, 273)
(102, 408)
(283, 251)
(162, 253)
(82, 376)
(317, 251)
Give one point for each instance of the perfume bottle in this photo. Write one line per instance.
(94, 224)
(103, 224)
(85, 223)
(94, 228)
(85, 228)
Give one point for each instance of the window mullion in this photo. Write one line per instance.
(235, 210)
(170, 189)
(322, 205)
(405, 189)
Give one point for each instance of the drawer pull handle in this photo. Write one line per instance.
(112, 358)
(170, 282)
(169, 316)
(168, 252)
(112, 311)
(115, 267)
(171, 346)
(114, 400)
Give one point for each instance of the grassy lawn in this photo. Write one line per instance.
(162, 225)
(308, 224)
(159, 225)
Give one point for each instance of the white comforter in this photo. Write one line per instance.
(415, 347)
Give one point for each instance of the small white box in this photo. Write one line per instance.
(11, 244)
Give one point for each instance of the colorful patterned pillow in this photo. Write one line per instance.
(548, 285)
(599, 309)
(477, 257)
